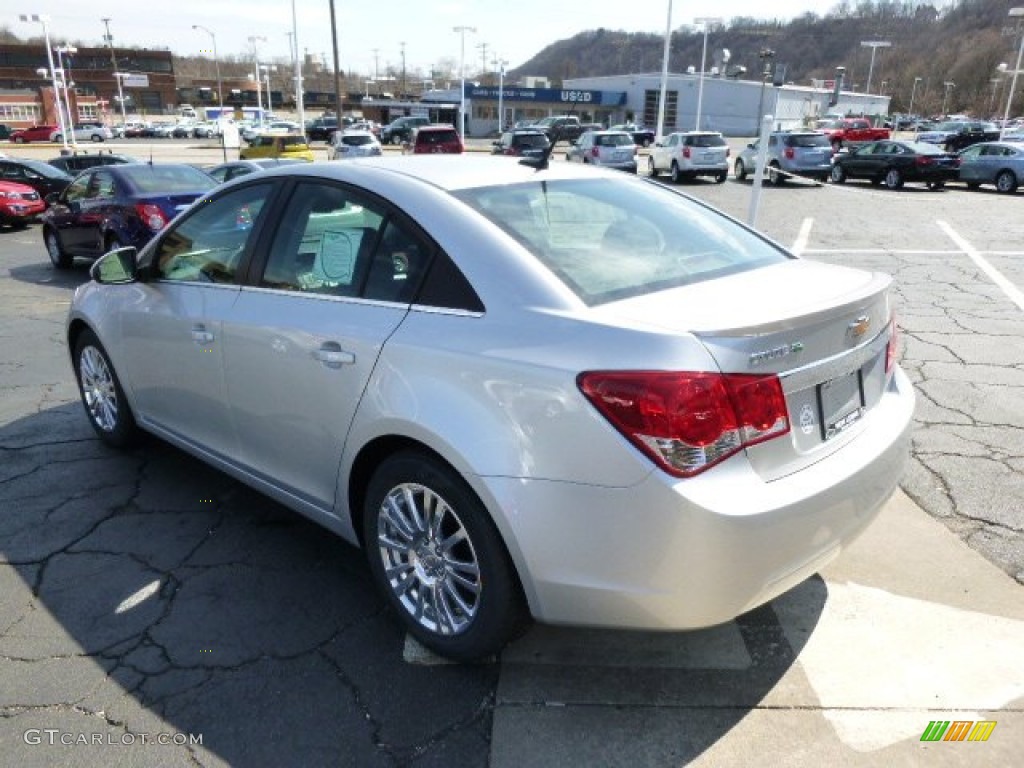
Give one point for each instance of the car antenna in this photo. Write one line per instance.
(541, 163)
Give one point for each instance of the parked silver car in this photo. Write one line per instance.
(561, 392)
(1000, 163)
(789, 153)
(686, 155)
(349, 144)
(612, 149)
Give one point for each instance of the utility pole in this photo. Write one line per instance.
(109, 40)
(404, 90)
(337, 76)
(376, 63)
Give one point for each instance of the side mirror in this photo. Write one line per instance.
(117, 267)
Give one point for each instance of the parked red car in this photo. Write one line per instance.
(19, 204)
(432, 139)
(33, 133)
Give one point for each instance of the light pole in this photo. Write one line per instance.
(267, 69)
(253, 39)
(109, 40)
(874, 45)
(706, 22)
(216, 63)
(948, 85)
(659, 130)
(1014, 13)
(120, 97)
(462, 30)
(45, 21)
(913, 91)
(500, 64)
(766, 55)
(60, 50)
(300, 102)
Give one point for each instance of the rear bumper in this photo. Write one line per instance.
(671, 555)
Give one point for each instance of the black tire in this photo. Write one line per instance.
(775, 176)
(936, 185)
(721, 177)
(838, 175)
(111, 243)
(652, 170)
(484, 609)
(739, 170)
(18, 224)
(102, 397)
(396, 140)
(1006, 182)
(96, 137)
(58, 256)
(893, 178)
(973, 185)
(19, 140)
(675, 174)
(836, 146)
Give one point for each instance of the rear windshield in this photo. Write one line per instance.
(437, 137)
(613, 140)
(535, 140)
(705, 141)
(169, 179)
(608, 240)
(44, 169)
(807, 140)
(356, 141)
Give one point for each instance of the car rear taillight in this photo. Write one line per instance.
(151, 216)
(687, 422)
(595, 152)
(892, 348)
(923, 160)
(789, 153)
(686, 152)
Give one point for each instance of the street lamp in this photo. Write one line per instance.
(65, 82)
(948, 85)
(253, 39)
(659, 130)
(44, 20)
(500, 64)
(1013, 13)
(462, 30)
(913, 91)
(706, 22)
(267, 69)
(874, 45)
(300, 102)
(766, 55)
(216, 62)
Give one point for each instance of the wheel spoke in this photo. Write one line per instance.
(395, 515)
(467, 611)
(413, 511)
(473, 585)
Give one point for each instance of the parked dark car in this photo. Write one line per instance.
(400, 130)
(1000, 163)
(42, 177)
(5, 132)
(19, 204)
(955, 135)
(894, 162)
(73, 164)
(114, 205)
(322, 128)
(642, 137)
(526, 142)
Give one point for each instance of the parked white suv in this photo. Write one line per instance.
(688, 154)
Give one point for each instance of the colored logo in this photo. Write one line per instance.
(958, 730)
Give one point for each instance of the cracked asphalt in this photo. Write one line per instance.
(146, 597)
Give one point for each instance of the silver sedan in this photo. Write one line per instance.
(564, 392)
(1000, 163)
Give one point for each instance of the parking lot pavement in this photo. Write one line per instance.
(144, 594)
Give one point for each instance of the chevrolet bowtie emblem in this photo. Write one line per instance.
(858, 327)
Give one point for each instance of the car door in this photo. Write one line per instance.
(302, 341)
(663, 155)
(96, 208)
(972, 165)
(65, 212)
(172, 335)
(866, 161)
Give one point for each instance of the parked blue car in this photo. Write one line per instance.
(116, 205)
(1000, 163)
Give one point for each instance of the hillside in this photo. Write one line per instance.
(962, 42)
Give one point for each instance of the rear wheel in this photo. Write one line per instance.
(101, 392)
(775, 176)
(721, 177)
(675, 174)
(893, 179)
(936, 184)
(396, 140)
(740, 170)
(973, 185)
(437, 556)
(1006, 182)
(58, 257)
(96, 137)
(838, 175)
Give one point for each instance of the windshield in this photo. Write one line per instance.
(166, 179)
(608, 240)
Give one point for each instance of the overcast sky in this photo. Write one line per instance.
(515, 30)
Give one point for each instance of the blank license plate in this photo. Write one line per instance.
(842, 403)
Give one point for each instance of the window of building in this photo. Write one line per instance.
(651, 109)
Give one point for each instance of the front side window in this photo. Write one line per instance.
(77, 189)
(209, 244)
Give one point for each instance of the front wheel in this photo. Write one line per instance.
(396, 140)
(893, 179)
(740, 170)
(775, 177)
(936, 184)
(58, 257)
(838, 175)
(439, 559)
(101, 392)
(1006, 182)
(652, 169)
(96, 137)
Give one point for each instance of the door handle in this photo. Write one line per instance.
(201, 336)
(333, 356)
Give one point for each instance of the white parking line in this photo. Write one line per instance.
(1012, 292)
(802, 237)
(884, 252)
